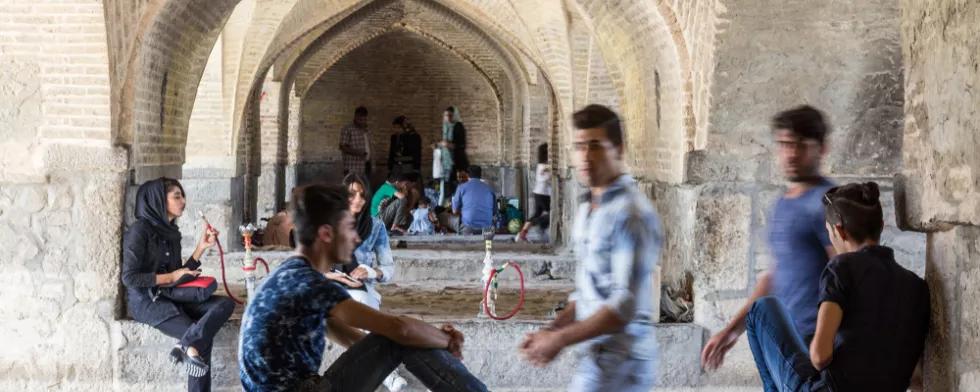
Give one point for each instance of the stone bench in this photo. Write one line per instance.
(490, 353)
(491, 346)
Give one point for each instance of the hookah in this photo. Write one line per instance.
(490, 283)
(247, 266)
(248, 263)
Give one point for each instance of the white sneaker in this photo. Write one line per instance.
(395, 383)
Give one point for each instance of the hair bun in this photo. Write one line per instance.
(870, 193)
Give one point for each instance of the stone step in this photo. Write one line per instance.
(501, 242)
(422, 265)
(415, 265)
(490, 353)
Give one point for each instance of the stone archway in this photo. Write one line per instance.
(426, 18)
(414, 77)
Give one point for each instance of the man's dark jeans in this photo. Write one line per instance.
(366, 364)
(780, 355)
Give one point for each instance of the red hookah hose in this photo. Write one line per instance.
(224, 280)
(486, 293)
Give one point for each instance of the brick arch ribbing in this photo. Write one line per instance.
(494, 63)
(298, 24)
(644, 64)
(173, 42)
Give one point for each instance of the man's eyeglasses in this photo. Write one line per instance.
(787, 145)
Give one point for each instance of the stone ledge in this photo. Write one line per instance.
(414, 265)
(491, 353)
(68, 157)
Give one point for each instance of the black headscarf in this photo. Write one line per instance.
(151, 206)
(363, 220)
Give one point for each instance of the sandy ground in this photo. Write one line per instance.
(462, 302)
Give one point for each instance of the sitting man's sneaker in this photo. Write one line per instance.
(395, 383)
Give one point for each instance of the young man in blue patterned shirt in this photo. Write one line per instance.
(283, 334)
(617, 237)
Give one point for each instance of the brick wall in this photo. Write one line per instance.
(400, 73)
(208, 134)
(638, 48)
(175, 47)
(698, 22)
(55, 77)
(442, 26)
(310, 19)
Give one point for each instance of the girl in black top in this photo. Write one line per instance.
(151, 261)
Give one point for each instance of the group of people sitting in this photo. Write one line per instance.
(404, 208)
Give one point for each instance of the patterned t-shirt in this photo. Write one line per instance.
(283, 330)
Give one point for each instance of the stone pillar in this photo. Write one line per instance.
(292, 124)
(953, 349)
(940, 193)
(270, 142)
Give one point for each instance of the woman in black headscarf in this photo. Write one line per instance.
(151, 261)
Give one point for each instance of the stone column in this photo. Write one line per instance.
(270, 143)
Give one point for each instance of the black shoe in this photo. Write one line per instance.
(194, 365)
(176, 355)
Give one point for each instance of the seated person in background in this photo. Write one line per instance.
(387, 190)
(474, 202)
(278, 231)
(396, 211)
(274, 355)
(431, 191)
(423, 219)
(873, 315)
(372, 262)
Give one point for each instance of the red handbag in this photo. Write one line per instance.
(191, 290)
(200, 282)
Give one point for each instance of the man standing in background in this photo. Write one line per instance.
(355, 144)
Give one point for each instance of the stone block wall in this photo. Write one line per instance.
(941, 185)
(844, 59)
(59, 250)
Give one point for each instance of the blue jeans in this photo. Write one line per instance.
(366, 364)
(603, 370)
(780, 355)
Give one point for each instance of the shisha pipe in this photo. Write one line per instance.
(221, 256)
(249, 267)
(489, 279)
(490, 293)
